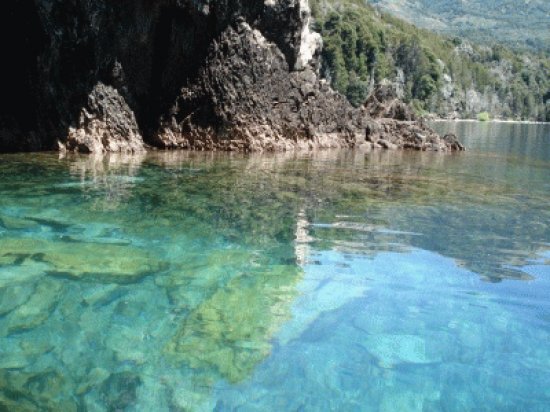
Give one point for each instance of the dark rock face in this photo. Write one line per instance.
(120, 75)
(247, 98)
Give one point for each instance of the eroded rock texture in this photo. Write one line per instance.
(395, 126)
(111, 75)
(106, 123)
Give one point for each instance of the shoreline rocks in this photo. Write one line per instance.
(190, 75)
(106, 124)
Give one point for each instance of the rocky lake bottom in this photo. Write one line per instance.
(334, 280)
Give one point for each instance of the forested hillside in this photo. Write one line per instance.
(516, 23)
(447, 76)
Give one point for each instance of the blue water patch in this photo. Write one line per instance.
(407, 332)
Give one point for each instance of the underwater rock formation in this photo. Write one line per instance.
(121, 76)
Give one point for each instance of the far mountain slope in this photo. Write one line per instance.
(517, 23)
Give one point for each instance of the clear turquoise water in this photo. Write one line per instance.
(334, 281)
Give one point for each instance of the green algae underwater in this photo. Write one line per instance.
(206, 281)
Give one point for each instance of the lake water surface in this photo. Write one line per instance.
(345, 281)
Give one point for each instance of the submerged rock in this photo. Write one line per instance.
(12, 296)
(223, 336)
(104, 262)
(31, 391)
(225, 75)
(37, 309)
(15, 270)
(16, 223)
(93, 379)
(391, 350)
(119, 390)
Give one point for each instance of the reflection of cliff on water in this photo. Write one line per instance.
(469, 206)
(166, 273)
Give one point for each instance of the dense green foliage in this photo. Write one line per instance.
(483, 117)
(438, 74)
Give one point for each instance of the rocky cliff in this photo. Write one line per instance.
(119, 76)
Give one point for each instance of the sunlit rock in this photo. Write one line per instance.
(231, 331)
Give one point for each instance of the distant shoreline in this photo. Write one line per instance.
(439, 120)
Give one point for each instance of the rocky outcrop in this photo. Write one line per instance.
(384, 103)
(106, 124)
(394, 134)
(396, 125)
(456, 101)
(195, 74)
(248, 98)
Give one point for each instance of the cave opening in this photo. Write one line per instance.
(181, 42)
(161, 54)
(22, 41)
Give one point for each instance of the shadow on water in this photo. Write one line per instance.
(146, 280)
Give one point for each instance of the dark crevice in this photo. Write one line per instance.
(180, 46)
(22, 40)
(161, 54)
